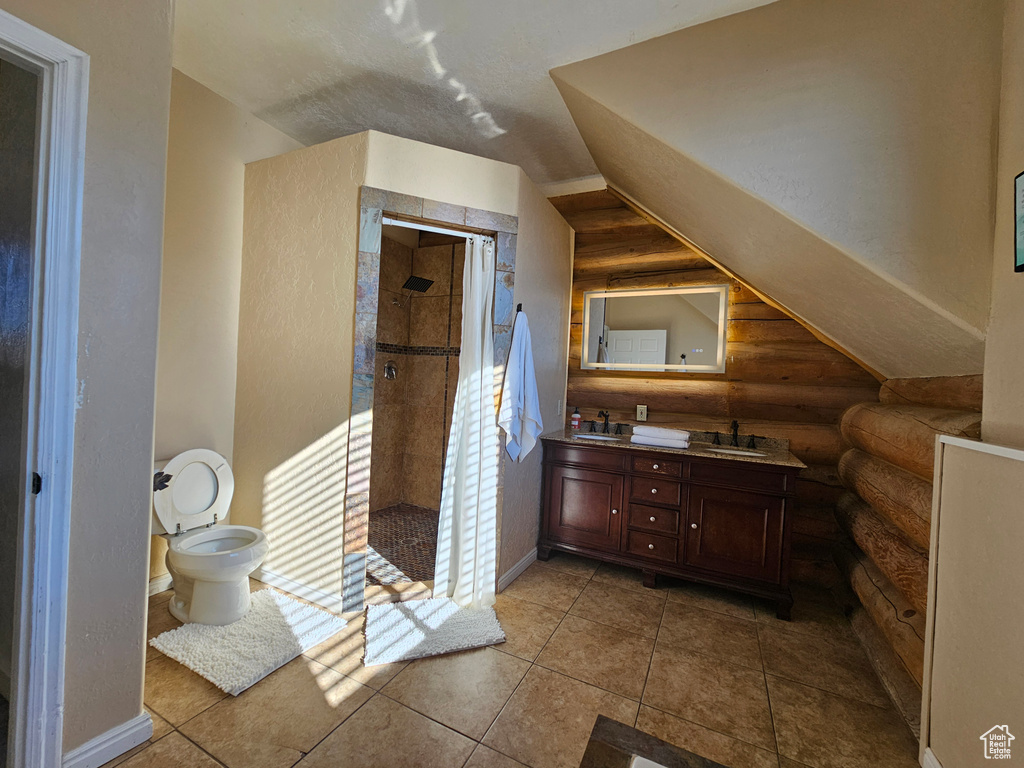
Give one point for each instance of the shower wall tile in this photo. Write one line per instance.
(365, 342)
(498, 222)
(392, 319)
(369, 229)
(458, 268)
(455, 335)
(387, 463)
(388, 392)
(405, 205)
(504, 306)
(506, 252)
(502, 345)
(428, 321)
(446, 212)
(423, 480)
(434, 263)
(362, 392)
(423, 431)
(367, 282)
(371, 197)
(426, 382)
(395, 264)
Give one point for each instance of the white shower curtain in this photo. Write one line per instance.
(467, 531)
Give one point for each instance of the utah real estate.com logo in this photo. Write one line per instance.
(997, 742)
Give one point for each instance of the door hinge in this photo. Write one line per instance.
(37, 483)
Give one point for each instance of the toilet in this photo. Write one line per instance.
(209, 560)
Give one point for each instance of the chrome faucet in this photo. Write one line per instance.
(735, 426)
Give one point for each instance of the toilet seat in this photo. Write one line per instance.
(198, 491)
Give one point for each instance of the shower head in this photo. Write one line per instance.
(419, 284)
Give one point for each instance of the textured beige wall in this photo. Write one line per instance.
(129, 45)
(543, 286)
(1003, 410)
(295, 352)
(853, 149)
(209, 142)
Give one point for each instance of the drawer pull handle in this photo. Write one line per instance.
(615, 511)
(652, 519)
(650, 546)
(654, 490)
(693, 525)
(655, 466)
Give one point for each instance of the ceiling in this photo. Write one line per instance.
(462, 74)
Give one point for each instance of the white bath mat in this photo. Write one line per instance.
(276, 629)
(419, 628)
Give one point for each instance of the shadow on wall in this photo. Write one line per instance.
(304, 505)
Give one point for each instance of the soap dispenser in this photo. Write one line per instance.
(575, 419)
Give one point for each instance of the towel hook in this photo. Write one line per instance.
(519, 308)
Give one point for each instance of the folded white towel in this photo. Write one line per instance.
(663, 432)
(658, 441)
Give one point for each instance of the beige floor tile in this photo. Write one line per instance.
(464, 691)
(159, 621)
(274, 723)
(172, 751)
(160, 726)
(837, 666)
(621, 576)
(485, 757)
(604, 656)
(809, 618)
(548, 720)
(711, 599)
(627, 609)
(385, 733)
(175, 692)
(717, 694)
(715, 634)
(828, 731)
(546, 586)
(527, 626)
(785, 762)
(344, 652)
(567, 562)
(702, 741)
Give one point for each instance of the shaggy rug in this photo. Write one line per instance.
(276, 629)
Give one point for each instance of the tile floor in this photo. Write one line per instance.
(403, 545)
(706, 670)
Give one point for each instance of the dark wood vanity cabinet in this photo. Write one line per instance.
(714, 521)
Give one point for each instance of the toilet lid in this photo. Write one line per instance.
(197, 493)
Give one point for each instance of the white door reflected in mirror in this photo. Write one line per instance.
(656, 329)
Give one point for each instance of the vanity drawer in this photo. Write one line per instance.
(654, 519)
(655, 491)
(652, 547)
(614, 459)
(651, 466)
(738, 477)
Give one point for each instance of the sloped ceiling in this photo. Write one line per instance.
(838, 156)
(469, 76)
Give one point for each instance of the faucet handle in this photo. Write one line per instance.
(716, 440)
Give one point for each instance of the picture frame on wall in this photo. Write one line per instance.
(1018, 222)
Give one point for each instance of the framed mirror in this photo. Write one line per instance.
(656, 329)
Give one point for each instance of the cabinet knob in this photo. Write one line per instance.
(652, 519)
(654, 490)
(655, 466)
(615, 511)
(693, 525)
(650, 546)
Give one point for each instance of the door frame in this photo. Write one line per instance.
(37, 679)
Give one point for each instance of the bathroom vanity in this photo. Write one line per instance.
(699, 514)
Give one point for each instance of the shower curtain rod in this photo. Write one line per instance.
(428, 228)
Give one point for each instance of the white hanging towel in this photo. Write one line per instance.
(661, 432)
(519, 414)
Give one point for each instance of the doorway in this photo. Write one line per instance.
(419, 327)
(19, 104)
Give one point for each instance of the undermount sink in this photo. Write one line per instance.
(607, 438)
(737, 451)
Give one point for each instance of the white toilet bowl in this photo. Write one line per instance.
(209, 561)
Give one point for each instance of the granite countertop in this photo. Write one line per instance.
(775, 450)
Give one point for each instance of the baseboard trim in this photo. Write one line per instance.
(516, 570)
(332, 601)
(160, 584)
(111, 744)
(930, 760)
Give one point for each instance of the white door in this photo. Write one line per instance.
(641, 347)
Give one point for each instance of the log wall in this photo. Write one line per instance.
(780, 381)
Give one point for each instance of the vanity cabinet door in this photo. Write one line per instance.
(735, 533)
(584, 507)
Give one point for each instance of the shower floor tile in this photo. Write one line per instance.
(402, 545)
